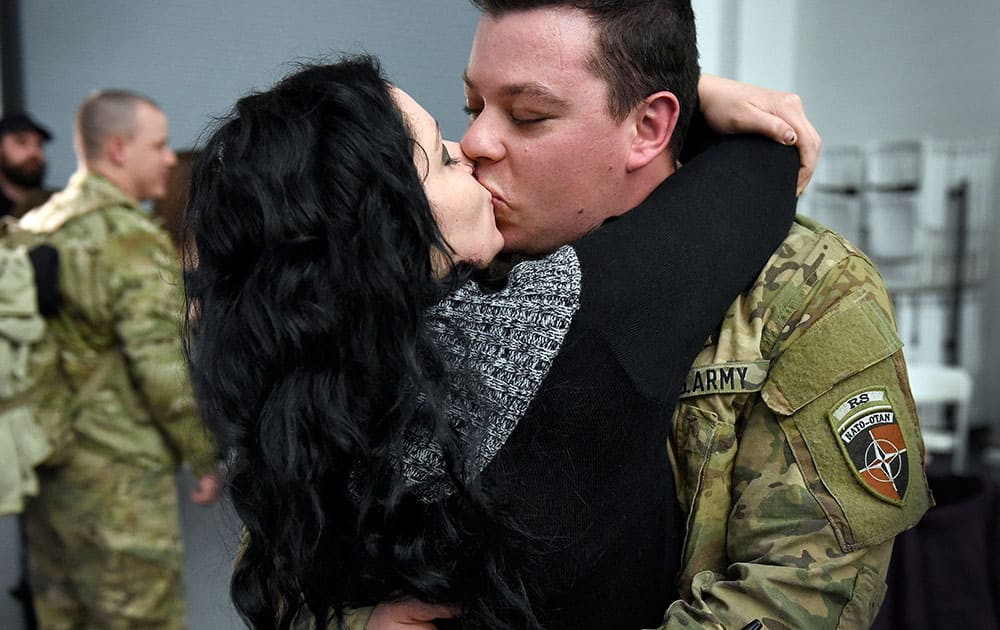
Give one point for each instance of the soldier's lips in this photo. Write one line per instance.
(495, 197)
(502, 213)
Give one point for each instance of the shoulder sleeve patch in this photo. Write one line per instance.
(860, 449)
(839, 393)
(870, 438)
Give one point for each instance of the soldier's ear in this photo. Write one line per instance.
(654, 121)
(114, 150)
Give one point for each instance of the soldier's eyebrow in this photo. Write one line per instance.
(536, 92)
(530, 89)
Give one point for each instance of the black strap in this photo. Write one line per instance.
(45, 260)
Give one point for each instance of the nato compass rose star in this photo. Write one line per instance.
(883, 461)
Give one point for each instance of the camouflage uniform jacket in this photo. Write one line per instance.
(796, 448)
(123, 307)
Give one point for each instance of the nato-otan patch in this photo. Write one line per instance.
(871, 439)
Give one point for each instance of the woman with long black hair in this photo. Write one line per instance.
(361, 384)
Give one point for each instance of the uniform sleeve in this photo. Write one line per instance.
(828, 469)
(147, 307)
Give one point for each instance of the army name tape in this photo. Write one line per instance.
(725, 378)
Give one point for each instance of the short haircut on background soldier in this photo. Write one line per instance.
(645, 46)
(104, 114)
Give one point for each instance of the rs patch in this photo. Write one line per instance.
(871, 440)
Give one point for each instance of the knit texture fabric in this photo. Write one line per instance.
(507, 341)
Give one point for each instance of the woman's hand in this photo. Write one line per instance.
(733, 107)
(407, 614)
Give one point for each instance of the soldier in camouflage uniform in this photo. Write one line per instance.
(104, 540)
(796, 448)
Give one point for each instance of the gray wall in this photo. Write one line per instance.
(866, 70)
(196, 58)
(900, 68)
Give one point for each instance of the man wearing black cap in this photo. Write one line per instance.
(22, 164)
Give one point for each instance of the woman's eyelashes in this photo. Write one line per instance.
(447, 158)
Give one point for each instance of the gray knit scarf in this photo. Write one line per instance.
(507, 342)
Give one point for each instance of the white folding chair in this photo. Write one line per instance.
(934, 384)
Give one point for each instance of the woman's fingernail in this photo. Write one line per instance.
(789, 137)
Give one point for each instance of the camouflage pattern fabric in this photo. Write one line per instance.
(23, 444)
(793, 477)
(103, 535)
(105, 548)
(33, 396)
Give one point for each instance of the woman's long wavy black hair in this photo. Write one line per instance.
(307, 289)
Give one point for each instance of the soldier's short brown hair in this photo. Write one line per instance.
(106, 113)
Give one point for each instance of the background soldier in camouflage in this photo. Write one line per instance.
(784, 525)
(104, 540)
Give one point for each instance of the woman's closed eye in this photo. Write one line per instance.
(447, 159)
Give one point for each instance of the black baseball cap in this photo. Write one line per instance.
(18, 121)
